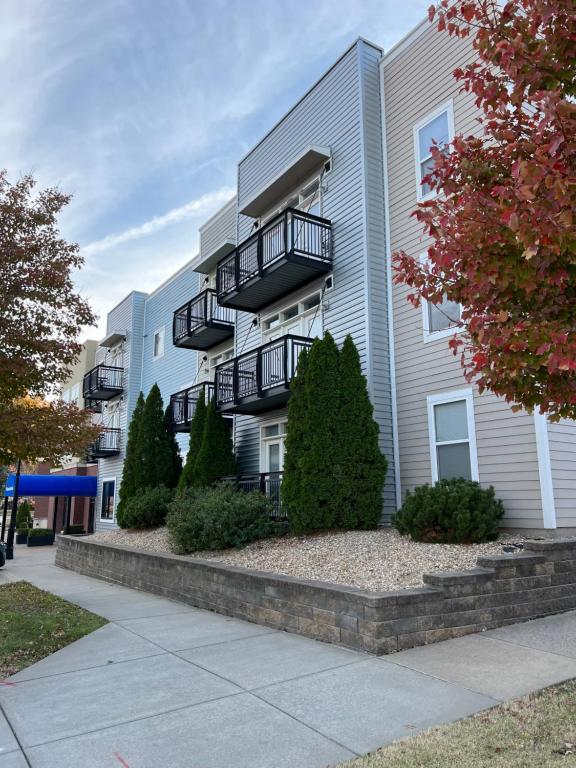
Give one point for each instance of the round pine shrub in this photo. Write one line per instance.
(455, 511)
(147, 508)
(218, 518)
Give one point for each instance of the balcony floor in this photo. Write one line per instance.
(279, 279)
(270, 400)
(206, 336)
(103, 394)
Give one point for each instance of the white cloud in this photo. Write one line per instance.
(203, 207)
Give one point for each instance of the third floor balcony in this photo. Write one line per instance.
(286, 253)
(102, 383)
(202, 323)
(183, 404)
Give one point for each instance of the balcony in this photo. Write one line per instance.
(268, 483)
(259, 380)
(94, 406)
(202, 323)
(102, 383)
(183, 404)
(286, 253)
(106, 444)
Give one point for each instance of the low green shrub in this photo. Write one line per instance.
(218, 518)
(147, 508)
(35, 532)
(75, 529)
(22, 530)
(455, 511)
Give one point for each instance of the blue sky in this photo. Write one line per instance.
(142, 108)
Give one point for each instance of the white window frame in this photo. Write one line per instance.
(308, 314)
(425, 304)
(447, 106)
(451, 397)
(113, 518)
(264, 441)
(161, 332)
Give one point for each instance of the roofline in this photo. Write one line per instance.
(128, 295)
(217, 213)
(406, 41)
(308, 91)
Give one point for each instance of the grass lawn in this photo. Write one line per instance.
(34, 624)
(533, 732)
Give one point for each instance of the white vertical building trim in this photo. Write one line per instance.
(389, 299)
(545, 470)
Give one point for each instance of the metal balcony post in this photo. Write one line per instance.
(259, 372)
(286, 215)
(235, 381)
(287, 342)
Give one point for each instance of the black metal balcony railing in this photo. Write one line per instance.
(286, 253)
(95, 406)
(183, 404)
(102, 382)
(202, 322)
(268, 483)
(106, 444)
(259, 380)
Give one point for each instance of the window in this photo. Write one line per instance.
(452, 435)
(108, 493)
(437, 128)
(439, 320)
(301, 319)
(158, 348)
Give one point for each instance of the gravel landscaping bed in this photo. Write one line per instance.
(379, 560)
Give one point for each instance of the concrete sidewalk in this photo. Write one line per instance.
(168, 685)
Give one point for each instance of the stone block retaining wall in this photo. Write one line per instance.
(500, 591)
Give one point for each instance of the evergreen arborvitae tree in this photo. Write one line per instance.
(196, 435)
(216, 454)
(156, 459)
(361, 464)
(175, 466)
(292, 489)
(319, 471)
(130, 473)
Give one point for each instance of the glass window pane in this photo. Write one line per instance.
(271, 430)
(444, 315)
(451, 421)
(290, 312)
(313, 301)
(274, 457)
(272, 322)
(454, 461)
(436, 130)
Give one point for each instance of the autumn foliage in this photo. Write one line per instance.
(41, 317)
(502, 226)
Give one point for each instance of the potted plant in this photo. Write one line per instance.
(21, 535)
(40, 537)
(76, 530)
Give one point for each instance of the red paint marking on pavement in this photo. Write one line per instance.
(121, 760)
(7, 682)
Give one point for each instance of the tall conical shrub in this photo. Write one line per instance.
(292, 490)
(361, 464)
(175, 460)
(318, 463)
(196, 435)
(130, 472)
(216, 454)
(156, 461)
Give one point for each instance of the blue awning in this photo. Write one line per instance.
(52, 485)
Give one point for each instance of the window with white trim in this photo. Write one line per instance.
(437, 128)
(452, 435)
(305, 197)
(441, 319)
(272, 441)
(302, 318)
(108, 499)
(158, 344)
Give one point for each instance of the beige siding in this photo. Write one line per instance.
(417, 80)
(562, 440)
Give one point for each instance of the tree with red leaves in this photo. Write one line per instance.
(502, 223)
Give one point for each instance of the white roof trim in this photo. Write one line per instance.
(112, 339)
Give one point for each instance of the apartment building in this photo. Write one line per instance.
(136, 352)
(323, 200)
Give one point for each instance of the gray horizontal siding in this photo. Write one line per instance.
(218, 229)
(562, 442)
